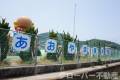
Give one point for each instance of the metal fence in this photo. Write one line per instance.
(37, 55)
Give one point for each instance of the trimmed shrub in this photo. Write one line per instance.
(4, 39)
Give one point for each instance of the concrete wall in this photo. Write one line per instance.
(39, 69)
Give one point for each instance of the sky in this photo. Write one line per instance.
(94, 18)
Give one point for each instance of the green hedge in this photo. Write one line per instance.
(52, 56)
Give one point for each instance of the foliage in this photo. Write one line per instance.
(28, 56)
(103, 43)
(53, 35)
(25, 56)
(4, 38)
(66, 37)
(52, 56)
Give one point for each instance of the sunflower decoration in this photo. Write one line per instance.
(23, 23)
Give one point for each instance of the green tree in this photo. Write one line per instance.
(4, 38)
(29, 55)
(66, 37)
(52, 56)
(53, 35)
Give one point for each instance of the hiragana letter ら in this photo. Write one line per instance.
(51, 46)
(21, 43)
(71, 47)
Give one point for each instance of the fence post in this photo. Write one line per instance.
(59, 53)
(78, 52)
(36, 48)
(0, 53)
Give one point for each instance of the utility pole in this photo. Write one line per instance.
(74, 23)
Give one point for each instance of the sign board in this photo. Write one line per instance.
(84, 49)
(107, 50)
(71, 48)
(102, 50)
(95, 51)
(21, 42)
(89, 50)
(51, 46)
